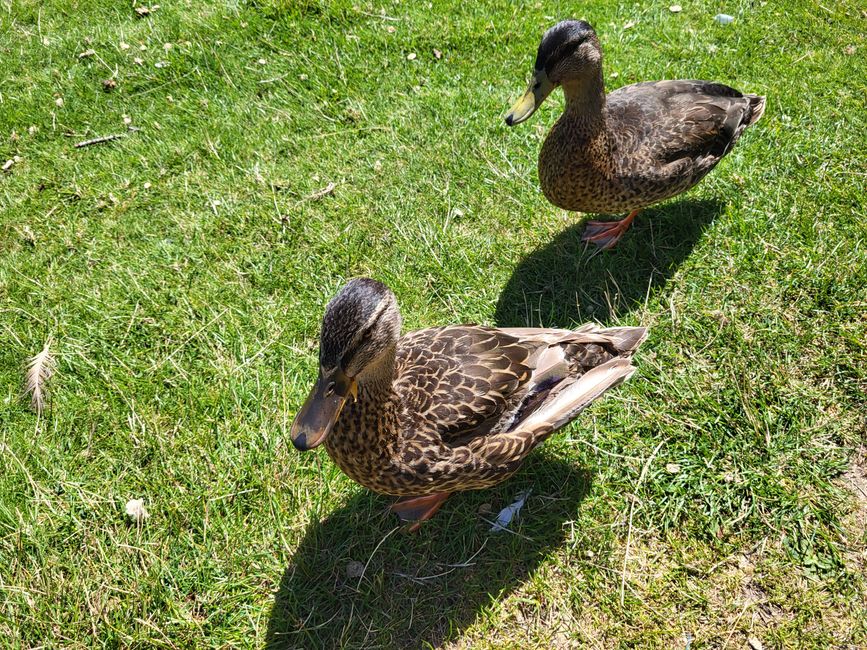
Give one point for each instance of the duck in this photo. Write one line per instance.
(445, 409)
(628, 149)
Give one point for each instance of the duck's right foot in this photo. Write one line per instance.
(606, 234)
(415, 510)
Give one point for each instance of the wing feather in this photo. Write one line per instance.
(458, 378)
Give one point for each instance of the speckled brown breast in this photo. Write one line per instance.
(576, 170)
(367, 450)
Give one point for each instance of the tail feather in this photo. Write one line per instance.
(757, 109)
(564, 405)
(625, 339)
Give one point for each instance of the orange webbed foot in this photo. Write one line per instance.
(606, 234)
(415, 510)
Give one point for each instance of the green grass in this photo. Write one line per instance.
(182, 271)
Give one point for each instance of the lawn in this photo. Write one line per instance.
(717, 499)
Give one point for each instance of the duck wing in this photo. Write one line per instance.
(683, 127)
(467, 384)
(452, 380)
(507, 449)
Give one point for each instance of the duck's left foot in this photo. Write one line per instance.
(418, 509)
(606, 234)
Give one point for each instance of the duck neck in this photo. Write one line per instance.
(368, 429)
(376, 381)
(585, 100)
(371, 420)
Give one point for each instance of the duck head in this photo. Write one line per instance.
(568, 55)
(360, 330)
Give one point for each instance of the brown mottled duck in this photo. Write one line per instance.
(630, 148)
(445, 409)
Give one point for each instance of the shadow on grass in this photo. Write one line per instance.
(564, 282)
(424, 589)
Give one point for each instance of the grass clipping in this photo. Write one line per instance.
(39, 370)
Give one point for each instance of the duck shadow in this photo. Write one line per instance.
(357, 581)
(567, 281)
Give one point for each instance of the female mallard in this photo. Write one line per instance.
(638, 145)
(447, 408)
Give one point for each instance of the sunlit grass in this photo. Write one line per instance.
(182, 270)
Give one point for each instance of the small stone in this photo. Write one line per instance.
(262, 62)
(167, 46)
(485, 509)
(127, 120)
(614, 75)
(32, 129)
(755, 644)
(138, 61)
(86, 54)
(108, 85)
(142, 11)
(147, 185)
(437, 54)
(629, 25)
(410, 56)
(136, 510)
(124, 46)
(849, 50)
(59, 101)
(161, 64)
(377, 166)
(354, 569)
(672, 468)
(303, 77)
(390, 29)
(724, 19)
(717, 314)
(675, 9)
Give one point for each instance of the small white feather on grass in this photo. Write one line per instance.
(510, 512)
(135, 510)
(39, 370)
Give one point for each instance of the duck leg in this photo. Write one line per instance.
(418, 509)
(606, 234)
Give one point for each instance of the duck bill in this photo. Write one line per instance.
(540, 87)
(321, 409)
